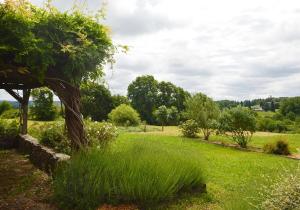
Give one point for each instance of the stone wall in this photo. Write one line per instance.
(42, 157)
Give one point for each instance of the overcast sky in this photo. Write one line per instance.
(233, 49)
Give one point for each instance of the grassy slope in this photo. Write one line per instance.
(232, 176)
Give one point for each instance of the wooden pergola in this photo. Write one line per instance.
(15, 78)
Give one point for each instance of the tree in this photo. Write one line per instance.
(162, 116)
(290, 105)
(4, 106)
(43, 107)
(170, 95)
(204, 111)
(238, 122)
(142, 94)
(174, 116)
(124, 115)
(117, 100)
(96, 101)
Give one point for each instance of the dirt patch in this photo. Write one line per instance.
(22, 186)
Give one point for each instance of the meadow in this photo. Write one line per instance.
(234, 178)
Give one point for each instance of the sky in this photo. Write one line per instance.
(233, 49)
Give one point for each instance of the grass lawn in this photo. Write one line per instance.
(232, 176)
(259, 139)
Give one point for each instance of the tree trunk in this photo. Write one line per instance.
(70, 96)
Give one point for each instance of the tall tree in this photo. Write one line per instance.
(204, 111)
(43, 107)
(171, 95)
(96, 101)
(142, 94)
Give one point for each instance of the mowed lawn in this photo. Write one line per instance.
(259, 138)
(234, 178)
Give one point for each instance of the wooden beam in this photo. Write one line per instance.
(15, 95)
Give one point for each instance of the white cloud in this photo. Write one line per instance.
(227, 49)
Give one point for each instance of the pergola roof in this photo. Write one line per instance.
(11, 79)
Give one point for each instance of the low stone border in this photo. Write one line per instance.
(42, 157)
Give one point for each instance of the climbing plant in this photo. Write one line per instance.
(55, 49)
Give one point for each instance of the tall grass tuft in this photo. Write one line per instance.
(143, 173)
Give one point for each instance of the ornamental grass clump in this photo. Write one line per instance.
(142, 173)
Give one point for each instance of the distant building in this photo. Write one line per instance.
(257, 108)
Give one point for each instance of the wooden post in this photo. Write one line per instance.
(24, 107)
(24, 112)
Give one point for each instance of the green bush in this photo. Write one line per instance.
(100, 134)
(189, 128)
(281, 147)
(4, 106)
(284, 194)
(10, 114)
(238, 122)
(124, 115)
(143, 173)
(9, 129)
(54, 136)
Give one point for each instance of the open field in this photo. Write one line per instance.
(259, 138)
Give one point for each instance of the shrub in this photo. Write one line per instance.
(281, 147)
(124, 115)
(189, 128)
(9, 129)
(238, 122)
(10, 114)
(284, 194)
(4, 106)
(54, 136)
(100, 134)
(126, 174)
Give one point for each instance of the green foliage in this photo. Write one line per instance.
(170, 95)
(268, 124)
(284, 194)
(9, 129)
(280, 147)
(147, 94)
(166, 116)
(72, 44)
(142, 93)
(124, 115)
(100, 134)
(240, 122)
(54, 136)
(43, 107)
(117, 100)
(4, 106)
(162, 115)
(10, 114)
(223, 104)
(189, 128)
(127, 174)
(96, 101)
(290, 106)
(173, 116)
(204, 111)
